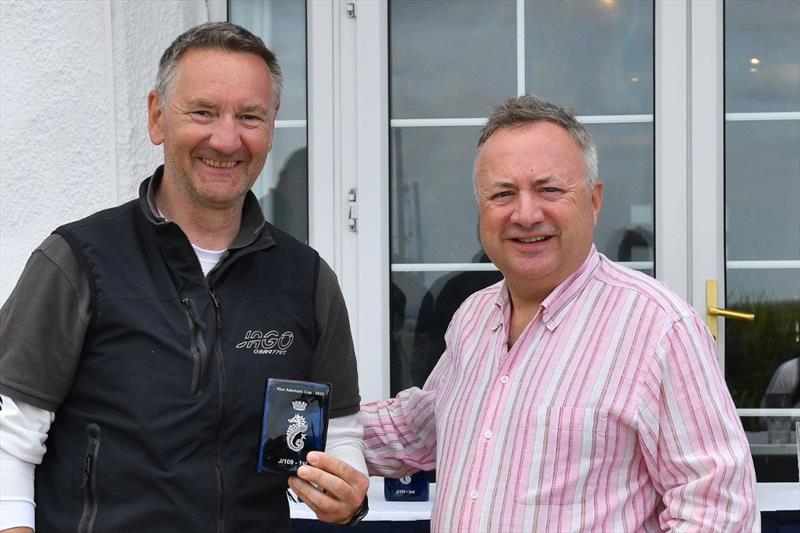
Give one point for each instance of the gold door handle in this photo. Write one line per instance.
(719, 311)
(712, 311)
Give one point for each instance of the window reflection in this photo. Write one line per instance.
(766, 30)
(282, 188)
(602, 66)
(451, 59)
(625, 229)
(422, 305)
(773, 445)
(754, 351)
(434, 217)
(762, 175)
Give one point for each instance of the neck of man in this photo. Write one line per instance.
(209, 227)
(526, 297)
(525, 302)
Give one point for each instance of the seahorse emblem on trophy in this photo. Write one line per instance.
(296, 433)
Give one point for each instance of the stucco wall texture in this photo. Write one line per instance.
(74, 78)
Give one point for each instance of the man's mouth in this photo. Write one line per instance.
(529, 240)
(219, 164)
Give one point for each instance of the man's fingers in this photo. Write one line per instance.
(325, 505)
(310, 495)
(338, 489)
(341, 470)
(334, 486)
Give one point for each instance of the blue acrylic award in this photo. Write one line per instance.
(413, 488)
(295, 422)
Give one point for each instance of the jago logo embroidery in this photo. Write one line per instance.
(269, 343)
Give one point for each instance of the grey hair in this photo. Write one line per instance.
(530, 109)
(220, 36)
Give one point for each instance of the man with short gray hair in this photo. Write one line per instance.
(123, 343)
(575, 394)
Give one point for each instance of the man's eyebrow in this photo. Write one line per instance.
(542, 180)
(201, 102)
(256, 108)
(500, 184)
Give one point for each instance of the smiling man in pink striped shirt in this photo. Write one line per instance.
(574, 395)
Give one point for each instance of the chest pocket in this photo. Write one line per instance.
(568, 456)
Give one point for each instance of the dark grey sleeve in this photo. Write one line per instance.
(42, 326)
(334, 358)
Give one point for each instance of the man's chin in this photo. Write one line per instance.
(531, 270)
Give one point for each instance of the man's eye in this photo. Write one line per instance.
(551, 190)
(502, 194)
(201, 113)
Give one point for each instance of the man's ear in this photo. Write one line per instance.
(597, 199)
(155, 117)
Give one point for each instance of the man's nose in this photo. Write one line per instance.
(527, 211)
(225, 136)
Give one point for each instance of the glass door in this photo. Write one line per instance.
(448, 68)
(762, 226)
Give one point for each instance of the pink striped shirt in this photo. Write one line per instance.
(609, 413)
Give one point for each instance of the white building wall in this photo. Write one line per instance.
(74, 78)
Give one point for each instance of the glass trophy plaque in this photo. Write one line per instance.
(413, 488)
(295, 422)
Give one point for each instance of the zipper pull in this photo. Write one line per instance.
(87, 469)
(189, 305)
(217, 313)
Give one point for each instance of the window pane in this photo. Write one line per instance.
(773, 445)
(593, 56)
(756, 352)
(422, 304)
(434, 217)
(282, 25)
(625, 228)
(763, 285)
(762, 43)
(762, 172)
(282, 187)
(451, 58)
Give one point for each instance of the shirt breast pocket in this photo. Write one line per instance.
(568, 453)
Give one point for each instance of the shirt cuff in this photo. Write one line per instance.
(345, 441)
(17, 513)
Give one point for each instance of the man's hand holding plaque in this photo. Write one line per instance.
(333, 489)
(293, 436)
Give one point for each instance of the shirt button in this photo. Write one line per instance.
(488, 434)
(474, 494)
(504, 380)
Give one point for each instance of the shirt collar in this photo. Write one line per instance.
(558, 302)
